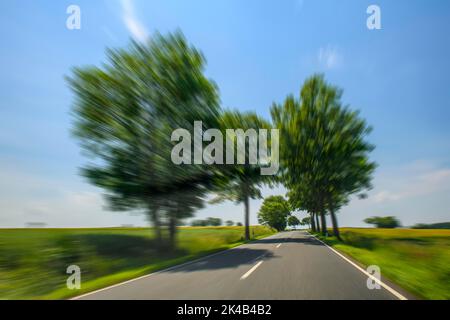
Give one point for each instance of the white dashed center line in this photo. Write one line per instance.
(249, 272)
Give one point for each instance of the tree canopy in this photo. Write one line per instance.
(124, 114)
(389, 222)
(274, 212)
(293, 221)
(324, 152)
(126, 111)
(240, 183)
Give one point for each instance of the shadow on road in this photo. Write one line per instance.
(227, 260)
(306, 241)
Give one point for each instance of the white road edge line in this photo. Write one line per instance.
(249, 272)
(388, 288)
(279, 245)
(165, 270)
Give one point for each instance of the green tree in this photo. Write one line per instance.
(383, 222)
(124, 115)
(306, 221)
(324, 151)
(441, 225)
(274, 212)
(241, 182)
(302, 196)
(215, 222)
(229, 223)
(293, 221)
(199, 223)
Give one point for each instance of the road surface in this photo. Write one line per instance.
(288, 265)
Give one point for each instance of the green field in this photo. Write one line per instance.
(33, 262)
(417, 260)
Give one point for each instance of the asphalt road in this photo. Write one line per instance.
(288, 265)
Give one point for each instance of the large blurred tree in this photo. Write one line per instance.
(242, 182)
(124, 114)
(324, 152)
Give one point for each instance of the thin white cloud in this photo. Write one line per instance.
(133, 24)
(415, 186)
(415, 192)
(329, 57)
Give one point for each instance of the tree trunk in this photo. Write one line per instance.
(317, 222)
(153, 211)
(323, 222)
(313, 223)
(335, 225)
(247, 217)
(172, 230)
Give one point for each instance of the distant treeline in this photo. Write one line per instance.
(214, 222)
(441, 225)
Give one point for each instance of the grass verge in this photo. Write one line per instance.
(33, 262)
(416, 260)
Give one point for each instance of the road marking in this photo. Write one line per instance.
(249, 272)
(170, 268)
(388, 288)
(279, 245)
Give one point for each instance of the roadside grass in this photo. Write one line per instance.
(33, 262)
(417, 260)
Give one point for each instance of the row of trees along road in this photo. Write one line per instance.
(324, 152)
(124, 115)
(126, 110)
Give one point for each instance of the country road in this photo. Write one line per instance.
(288, 265)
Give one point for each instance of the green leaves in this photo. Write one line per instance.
(293, 221)
(274, 212)
(124, 113)
(383, 222)
(241, 181)
(324, 151)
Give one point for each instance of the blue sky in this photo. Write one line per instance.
(257, 52)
